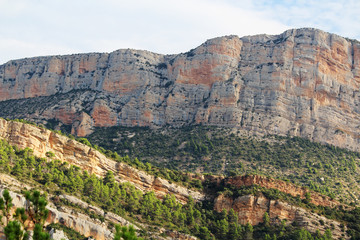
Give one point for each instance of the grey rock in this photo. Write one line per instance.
(57, 234)
(303, 82)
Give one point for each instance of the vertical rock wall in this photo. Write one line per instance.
(303, 82)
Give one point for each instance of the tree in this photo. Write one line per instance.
(302, 234)
(21, 216)
(39, 234)
(13, 231)
(232, 217)
(37, 212)
(266, 220)
(328, 235)
(234, 231)
(36, 207)
(84, 141)
(267, 237)
(109, 179)
(125, 233)
(249, 231)
(6, 204)
(205, 234)
(307, 198)
(222, 228)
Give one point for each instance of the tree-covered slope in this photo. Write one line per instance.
(330, 170)
(199, 218)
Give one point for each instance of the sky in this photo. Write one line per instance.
(30, 28)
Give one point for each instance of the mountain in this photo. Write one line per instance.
(303, 82)
(240, 138)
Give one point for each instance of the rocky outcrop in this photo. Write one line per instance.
(66, 216)
(303, 82)
(41, 141)
(285, 187)
(252, 209)
(112, 217)
(72, 218)
(57, 235)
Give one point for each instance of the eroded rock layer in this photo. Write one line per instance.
(251, 209)
(303, 82)
(42, 141)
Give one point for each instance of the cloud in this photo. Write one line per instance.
(336, 16)
(37, 27)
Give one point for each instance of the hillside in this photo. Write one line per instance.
(303, 82)
(220, 207)
(330, 170)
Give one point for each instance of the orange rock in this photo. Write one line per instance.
(306, 79)
(78, 154)
(282, 186)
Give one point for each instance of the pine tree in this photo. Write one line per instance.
(6, 204)
(266, 220)
(125, 233)
(109, 179)
(36, 207)
(13, 231)
(249, 231)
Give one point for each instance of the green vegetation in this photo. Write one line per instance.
(327, 169)
(197, 219)
(35, 214)
(125, 233)
(324, 168)
(70, 233)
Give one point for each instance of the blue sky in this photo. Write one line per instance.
(49, 27)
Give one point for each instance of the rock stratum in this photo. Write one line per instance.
(303, 82)
(41, 141)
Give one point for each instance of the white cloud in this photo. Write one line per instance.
(42, 27)
(336, 16)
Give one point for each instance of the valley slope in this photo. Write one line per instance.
(64, 164)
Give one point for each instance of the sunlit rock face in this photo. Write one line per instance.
(251, 209)
(303, 82)
(42, 141)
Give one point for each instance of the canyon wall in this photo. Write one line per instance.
(303, 82)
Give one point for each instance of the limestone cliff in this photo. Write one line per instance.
(78, 221)
(303, 82)
(252, 209)
(285, 187)
(41, 141)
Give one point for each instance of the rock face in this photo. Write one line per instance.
(66, 216)
(42, 141)
(303, 82)
(84, 224)
(285, 187)
(252, 209)
(57, 235)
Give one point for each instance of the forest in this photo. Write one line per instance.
(195, 218)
